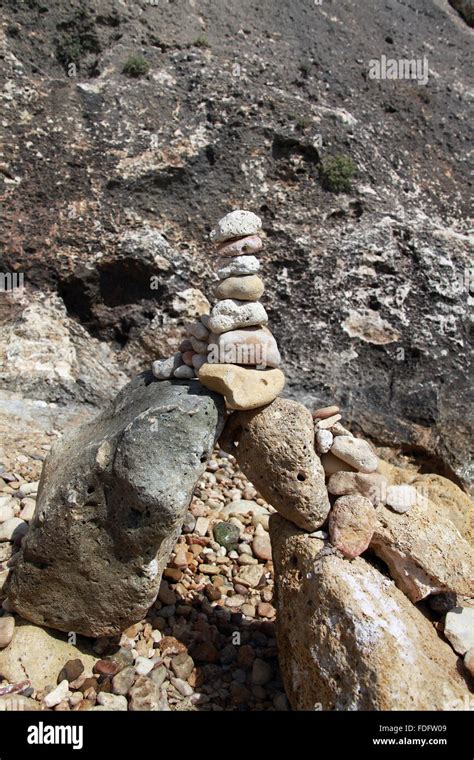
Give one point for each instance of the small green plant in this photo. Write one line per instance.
(336, 173)
(201, 42)
(136, 66)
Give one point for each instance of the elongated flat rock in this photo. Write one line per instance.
(241, 247)
(250, 345)
(241, 265)
(242, 388)
(246, 288)
(274, 448)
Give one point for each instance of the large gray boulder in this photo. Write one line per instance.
(111, 502)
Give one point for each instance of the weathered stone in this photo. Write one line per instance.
(241, 265)
(71, 670)
(401, 498)
(351, 524)
(249, 345)
(197, 330)
(7, 628)
(275, 451)
(469, 661)
(424, 550)
(231, 314)
(238, 223)
(123, 681)
(39, 655)
(349, 639)
(146, 696)
(324, 412)
(112, 702)
(184, 372)
(112, 498)
(226, 534)
(459, 628)
(323, 441)
(247, 288)
(57, 695)
(332, 464)
(262, 547)
(241, 246)
(182, 666)
(242, 387)
(13, 530)
(163, 369)
(372, 485)
(356, 452)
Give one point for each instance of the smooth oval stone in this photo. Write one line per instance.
(252, 346)
(351, 524)
(198, 360)
(188, 358)
(199, 346)
(241, 387)
(163, 369)
(231, 314)
(197, 330)
(356, 452)
(184, 372)
(238, 223)
(241, 247)
(246, 288)
(239, 266)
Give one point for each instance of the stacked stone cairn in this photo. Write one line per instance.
(231, 350)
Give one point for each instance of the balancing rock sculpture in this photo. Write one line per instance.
(231, 351)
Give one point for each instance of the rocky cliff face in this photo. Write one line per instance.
(111, 183)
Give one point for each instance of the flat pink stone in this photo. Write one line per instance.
(240, 247)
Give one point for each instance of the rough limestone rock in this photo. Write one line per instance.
(371, 485)
(424, 550)
(242, 387)
(236, 224)
(452, 500)
(351, 524)
(231, 314)
(250, 345)
(39, 655)
(111, 501)
(459, 629)
(348, 639)
(275, 451)
(240, 266)
(356, 452)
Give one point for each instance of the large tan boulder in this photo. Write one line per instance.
(274, 447)
(349, 639)
(424, 550)
(38, 654)
(456, 504)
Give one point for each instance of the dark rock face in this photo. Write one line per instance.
(112, 181)
(112, 499)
